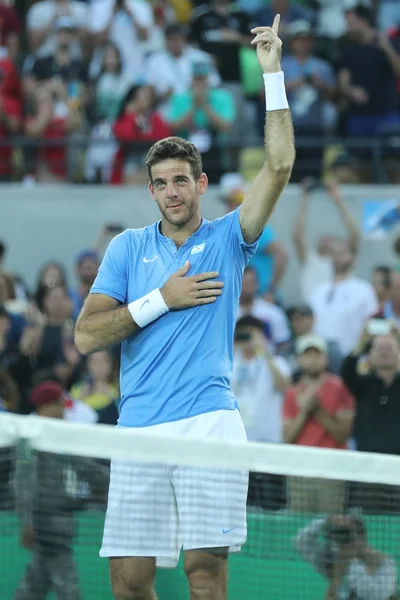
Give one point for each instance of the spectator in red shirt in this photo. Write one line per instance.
(10, 28)
(10, 120)
(52, 120)
(138, 121)
(318, 411)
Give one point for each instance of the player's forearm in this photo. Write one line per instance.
(279, 144)
(99, 330)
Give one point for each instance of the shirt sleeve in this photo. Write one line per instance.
(290, 410)
(231, 231)
(112, 278)
(371, 304)
(381, 585)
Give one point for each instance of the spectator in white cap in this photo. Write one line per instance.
(42, 17)
(271, 257)
(318, 411)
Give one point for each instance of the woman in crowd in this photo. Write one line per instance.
(49, 325)
(138, 121)
(53, 120)
(111, 86)
(99, 387)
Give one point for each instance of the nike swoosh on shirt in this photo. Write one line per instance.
(229, 530)
(147, 260)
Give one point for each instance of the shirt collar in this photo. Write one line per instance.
(195, 235)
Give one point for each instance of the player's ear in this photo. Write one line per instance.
(202, 184)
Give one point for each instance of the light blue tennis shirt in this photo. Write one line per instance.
(180, 365)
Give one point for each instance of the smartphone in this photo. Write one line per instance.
(379, 327)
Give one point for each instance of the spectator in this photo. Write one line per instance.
(353, 568)
(377, 414)
(259, 381)
(318, 411)
(51, 121)
(170, 71)
(301, 319)
(10, 117)
(47, 492)
(276, 329)
(9, 393)
(388, 14)
(111, 86)
(125, 23)
(138, 121)
(42, 17)
(10, 28)
(289, 10)
(17, 368)
(342, 305)
(391, 306)
(381, 282)
(51, 275)
(368, 67)
(311, 89)
(204, 115)
(316, 265)
(64, 74)
(43, 338)
(87, 265)
(221, 29)
(99, 388)
(271, 257)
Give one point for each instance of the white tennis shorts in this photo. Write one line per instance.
(156, 510)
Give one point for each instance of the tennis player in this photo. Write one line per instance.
(170, 293)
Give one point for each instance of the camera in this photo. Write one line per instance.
(341, 535)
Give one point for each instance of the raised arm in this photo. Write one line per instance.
(267, 187)
(353, 231)
(300, 224)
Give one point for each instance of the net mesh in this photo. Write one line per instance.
(321, 524)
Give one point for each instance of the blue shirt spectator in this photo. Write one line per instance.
(309, 80)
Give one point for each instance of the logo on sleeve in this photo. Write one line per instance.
(198, 248)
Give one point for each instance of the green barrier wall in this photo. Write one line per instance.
(267, 568)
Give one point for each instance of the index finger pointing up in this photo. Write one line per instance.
(275, 24)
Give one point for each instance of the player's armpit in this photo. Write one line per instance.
(102, 323)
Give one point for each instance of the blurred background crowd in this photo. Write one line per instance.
(86, 86)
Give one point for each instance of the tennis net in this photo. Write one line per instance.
(321, 524)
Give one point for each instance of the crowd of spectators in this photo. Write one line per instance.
(85, 87)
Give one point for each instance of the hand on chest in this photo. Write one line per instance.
(155, 265)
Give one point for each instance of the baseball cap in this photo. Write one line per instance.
(232, 186)
(46, 392)
(305, 342)
(200, 69)
(65, 22)
(302, 310)
(86, 254)
(300, 28)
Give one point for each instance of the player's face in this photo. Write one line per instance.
(176, 191)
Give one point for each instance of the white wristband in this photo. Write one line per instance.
(148, 308)
(275, 93)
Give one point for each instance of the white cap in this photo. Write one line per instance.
(305, 342)
(230, 182)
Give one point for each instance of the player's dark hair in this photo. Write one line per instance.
(174, 148)
(250, 321)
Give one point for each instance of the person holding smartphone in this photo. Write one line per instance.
(375, 384)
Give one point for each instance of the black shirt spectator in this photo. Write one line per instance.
(368, 65)
(221, 29)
